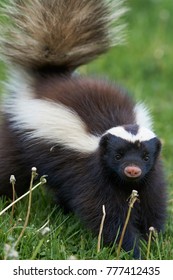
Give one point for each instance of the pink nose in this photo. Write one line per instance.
(132, 171)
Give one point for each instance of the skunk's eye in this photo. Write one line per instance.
(118, 156)
(146, 157)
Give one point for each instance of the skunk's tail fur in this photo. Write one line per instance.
(57, 33)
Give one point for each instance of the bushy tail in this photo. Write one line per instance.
(59, 33)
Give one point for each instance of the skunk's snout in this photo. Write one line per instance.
(132, 171)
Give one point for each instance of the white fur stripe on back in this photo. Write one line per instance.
(46, 120)
(56, 123)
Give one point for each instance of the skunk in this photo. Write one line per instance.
(88, 135)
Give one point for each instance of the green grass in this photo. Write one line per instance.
(144, 66)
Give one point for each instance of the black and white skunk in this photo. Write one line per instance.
(94, 143)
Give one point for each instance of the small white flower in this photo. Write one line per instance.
(12, 179)
(151, 229)
(10, 252)
(72, 257)
(34, 169)
(43, 179)
(45, 231)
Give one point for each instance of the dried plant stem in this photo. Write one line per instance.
(33, 175)
(151, 231)
(133, 198)
(42, 227)
(12, 181)
(42, 181)
(101, 229)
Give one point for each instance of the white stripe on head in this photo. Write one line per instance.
(143, 134)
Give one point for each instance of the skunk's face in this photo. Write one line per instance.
(129, 152)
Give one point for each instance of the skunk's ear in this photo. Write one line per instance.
(105, 140)
(158, 145)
